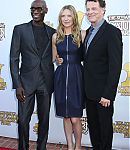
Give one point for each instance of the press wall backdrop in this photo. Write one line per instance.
(17, 12)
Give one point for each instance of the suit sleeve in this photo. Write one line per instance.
(114, 49)
(14, 58)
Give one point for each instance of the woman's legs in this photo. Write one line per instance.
(68, 132)
(73, 125)
(77, 128)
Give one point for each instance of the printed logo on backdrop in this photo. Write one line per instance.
(80, 17)
(84, 125)
(2, 31)
(2, 83)
(124, 89)
(122, 128)
(6, 118)
(121, 22)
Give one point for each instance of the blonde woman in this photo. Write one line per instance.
(68, 83)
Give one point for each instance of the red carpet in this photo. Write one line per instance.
(1, 148)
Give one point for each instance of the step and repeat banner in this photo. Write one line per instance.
(17, 12)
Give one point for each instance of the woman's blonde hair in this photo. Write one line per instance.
(75, 28)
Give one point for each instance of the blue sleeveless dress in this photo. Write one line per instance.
(68, 82)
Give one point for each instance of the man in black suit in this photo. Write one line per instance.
(32, 43)
(102, 67)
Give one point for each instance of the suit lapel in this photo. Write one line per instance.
(31, 37)
(49, 39)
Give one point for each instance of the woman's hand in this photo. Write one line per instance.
(59, 60)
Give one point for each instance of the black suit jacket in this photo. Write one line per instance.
(103, 62)
(23, 44)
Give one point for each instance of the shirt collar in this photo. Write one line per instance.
(98, 25)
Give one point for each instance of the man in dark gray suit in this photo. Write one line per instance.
(34, 77)
(102, 68)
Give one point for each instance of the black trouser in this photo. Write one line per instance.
(25, 111)
(100, 125)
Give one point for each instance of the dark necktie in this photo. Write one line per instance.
(87, 38)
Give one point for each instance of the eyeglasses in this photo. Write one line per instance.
(39, 9)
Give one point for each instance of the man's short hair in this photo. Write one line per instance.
(41, 1)
(102, 3)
